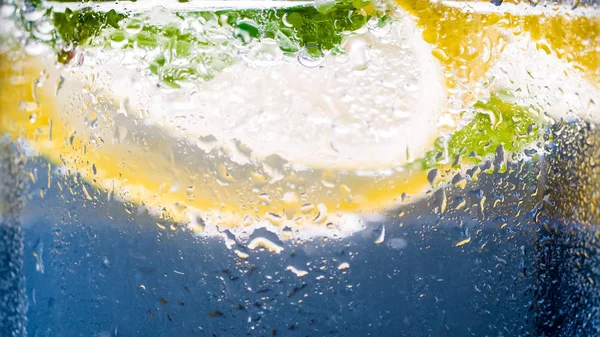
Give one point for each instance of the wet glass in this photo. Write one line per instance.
(299, 168)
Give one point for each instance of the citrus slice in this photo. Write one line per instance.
(295, 118)
(363, 110)
(279, 141)
(469, 38)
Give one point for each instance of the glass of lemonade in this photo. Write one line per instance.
(300, 168)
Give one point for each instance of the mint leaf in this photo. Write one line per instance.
(76, 27)
(498, 122)
(185, 50)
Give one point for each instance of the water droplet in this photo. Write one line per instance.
(487, 50)
(134, 27)
(381, 237)
(463, 242)
(59, 84)
(474, 173)
(457, 161)
(43, 31)
(482, 206)
(432, 175)
(322, 215)
(38, 252)
(285, 20)
(264, 198)
(343, 266)
(460, 203)
(261, 242)
(190, 192)
(441, 200)
(196, 224)
(287, 233)
(266, 54)
(328, 179)
(124, 107)
(274, 219)
(357, 49)
(120, 133)
(223, 175)
(34, 15)
(346, 192)
(307, 208)
(118, 41)
(323, 6)
(246, 30)
(379, 27)
(296, 271)
(247, 222)
(397, 243)
(289, 198)
(206, 143)
(459, 181)
(241, 254)
(35, 48)
(488, 167)
(311, 56)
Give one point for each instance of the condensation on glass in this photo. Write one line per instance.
(303, 168)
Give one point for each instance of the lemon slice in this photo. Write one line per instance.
(302, 143)
(288, 143)
(549, 71)
(363, 110)
(470, 38)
